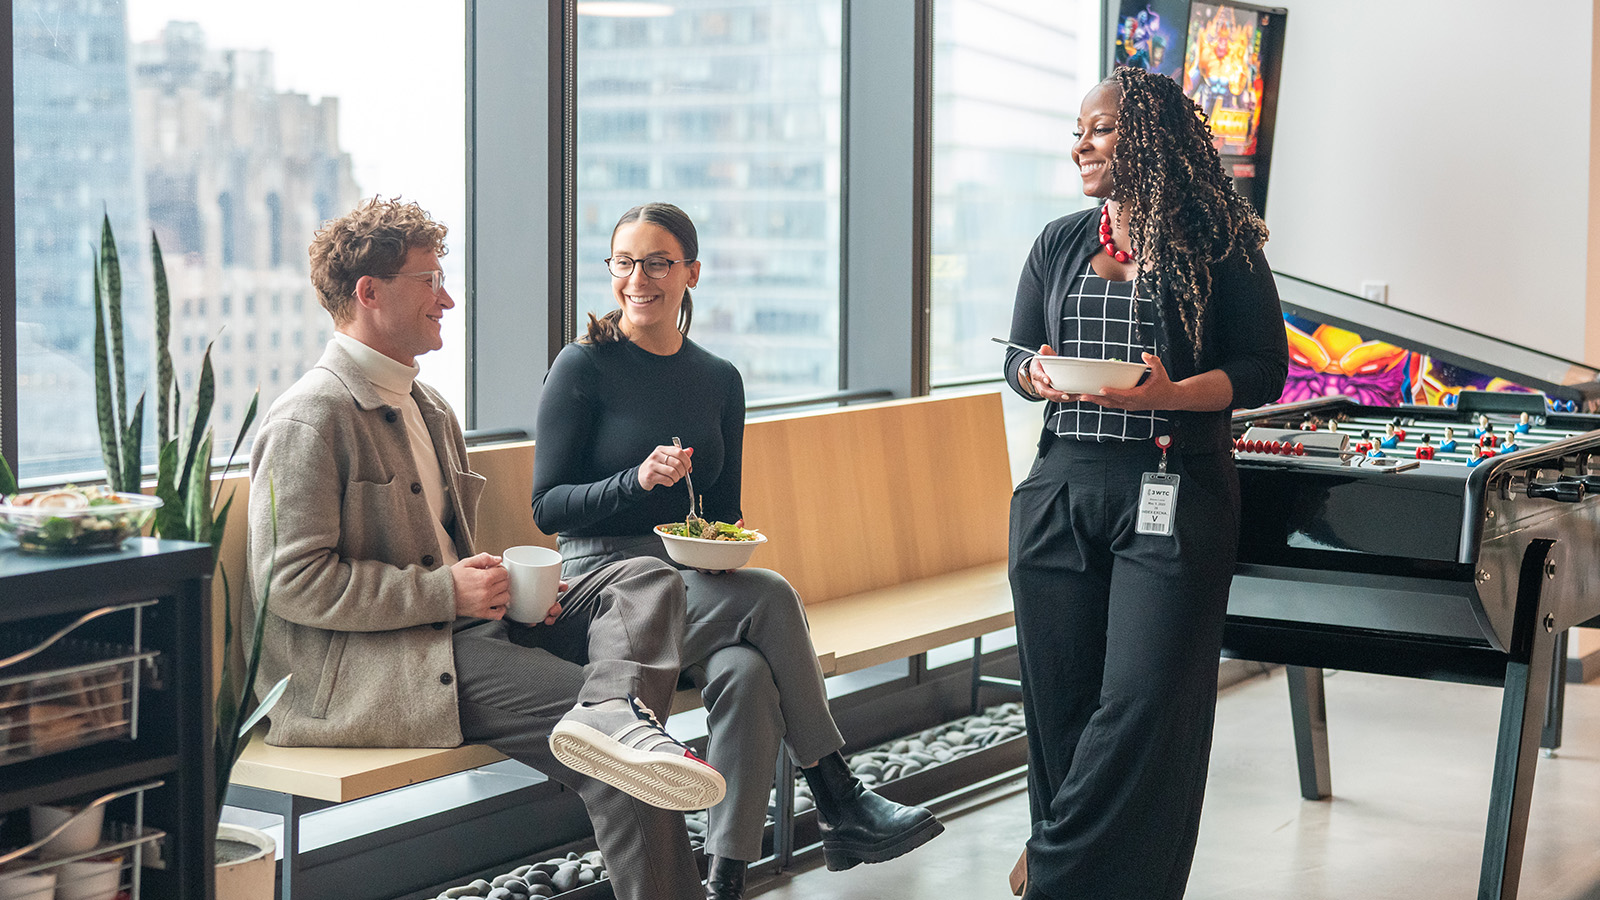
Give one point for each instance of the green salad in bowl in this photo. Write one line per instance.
(716, 546)
(73, 519)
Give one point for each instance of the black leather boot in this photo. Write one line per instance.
(725, 878)
(859, 826)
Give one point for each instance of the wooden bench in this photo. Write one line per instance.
(889, 519)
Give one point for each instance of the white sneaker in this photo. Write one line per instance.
(620, 743)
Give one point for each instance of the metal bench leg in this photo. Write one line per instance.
(783, 821)
(1308, 709)
(1555, 702)
(977, 671)
(291, 808)
(1521, 720)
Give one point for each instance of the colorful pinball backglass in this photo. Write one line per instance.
(1328, 361)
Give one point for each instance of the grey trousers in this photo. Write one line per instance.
(747, 647)
(619, 633)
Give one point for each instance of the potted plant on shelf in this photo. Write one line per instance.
(190, 511)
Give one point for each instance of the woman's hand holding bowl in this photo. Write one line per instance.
(1156, 391)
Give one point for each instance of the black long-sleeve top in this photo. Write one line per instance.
(1243, 337)
(604, 408)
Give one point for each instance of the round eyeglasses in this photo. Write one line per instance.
(654, 266)
(435, 277)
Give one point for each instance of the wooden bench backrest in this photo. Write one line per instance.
(851, 499)
(865, 497)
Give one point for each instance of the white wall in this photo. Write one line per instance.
(1441, 146)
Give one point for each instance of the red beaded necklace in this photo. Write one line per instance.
(1105, 237)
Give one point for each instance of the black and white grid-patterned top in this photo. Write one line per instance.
(1099, 321)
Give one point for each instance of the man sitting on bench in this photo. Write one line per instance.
(390, 621)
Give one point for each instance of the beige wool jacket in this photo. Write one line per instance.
(361, 606)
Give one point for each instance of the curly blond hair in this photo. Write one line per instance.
(372, 239)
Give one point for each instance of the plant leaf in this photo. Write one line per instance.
(132, 437)
(219, 523)
(197, 498)
(227, 705)
(165, 425)
(267, 703)
(109, 447)
(169, 517)
(249, 417)
(8, 481)
(199, 424)
(111, 269)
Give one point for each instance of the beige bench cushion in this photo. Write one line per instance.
(896, 622)
(338, 774)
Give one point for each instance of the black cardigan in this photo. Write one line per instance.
(1244, 335)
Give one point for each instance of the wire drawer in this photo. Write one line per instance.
(61, 692)
(110, 869)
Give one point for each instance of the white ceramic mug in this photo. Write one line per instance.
(535, 574)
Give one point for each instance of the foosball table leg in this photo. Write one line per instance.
(1522, 717)
(1308, 709)
(1555, 703)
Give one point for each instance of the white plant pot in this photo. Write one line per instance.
(252, 877)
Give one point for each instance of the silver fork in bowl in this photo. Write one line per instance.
(688, 479)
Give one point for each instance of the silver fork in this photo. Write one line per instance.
(688, 479)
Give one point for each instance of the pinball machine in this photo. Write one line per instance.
(1454, 539)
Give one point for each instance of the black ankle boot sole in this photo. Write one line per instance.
(840, 855)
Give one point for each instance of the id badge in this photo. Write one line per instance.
(1158, 504)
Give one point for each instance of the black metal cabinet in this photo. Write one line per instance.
(156, 649)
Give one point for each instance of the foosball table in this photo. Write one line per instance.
(1456, 544)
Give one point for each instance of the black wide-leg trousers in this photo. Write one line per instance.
(1118, 635)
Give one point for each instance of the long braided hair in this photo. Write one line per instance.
(1183, 213)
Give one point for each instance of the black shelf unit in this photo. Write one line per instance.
(39, 594)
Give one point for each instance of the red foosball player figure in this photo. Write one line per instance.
(1489, 439)
(1425, 448)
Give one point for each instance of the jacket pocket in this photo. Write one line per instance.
(471, 485)
(330, 675)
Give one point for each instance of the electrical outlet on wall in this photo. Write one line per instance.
(1376, 291)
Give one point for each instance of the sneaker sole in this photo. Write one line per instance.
(839, 857)
(659, 779)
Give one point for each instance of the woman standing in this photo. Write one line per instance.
(1119, 615)
(612, 404)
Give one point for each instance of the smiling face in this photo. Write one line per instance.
(1096, 139)
(403, 318)
(650, 305)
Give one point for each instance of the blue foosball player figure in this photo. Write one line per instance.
(1448, 445)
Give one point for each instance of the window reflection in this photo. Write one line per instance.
(232, 136)
(1006, 88)
(730, 110)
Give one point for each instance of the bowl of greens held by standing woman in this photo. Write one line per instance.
(607, 473)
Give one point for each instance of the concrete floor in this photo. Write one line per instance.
(1411, 764)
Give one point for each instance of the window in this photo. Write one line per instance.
(730, 111)
(1006, 88)
(132, 109)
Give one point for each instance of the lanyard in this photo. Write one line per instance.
(1164, 441)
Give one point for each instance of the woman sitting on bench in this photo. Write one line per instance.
(603, 479)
